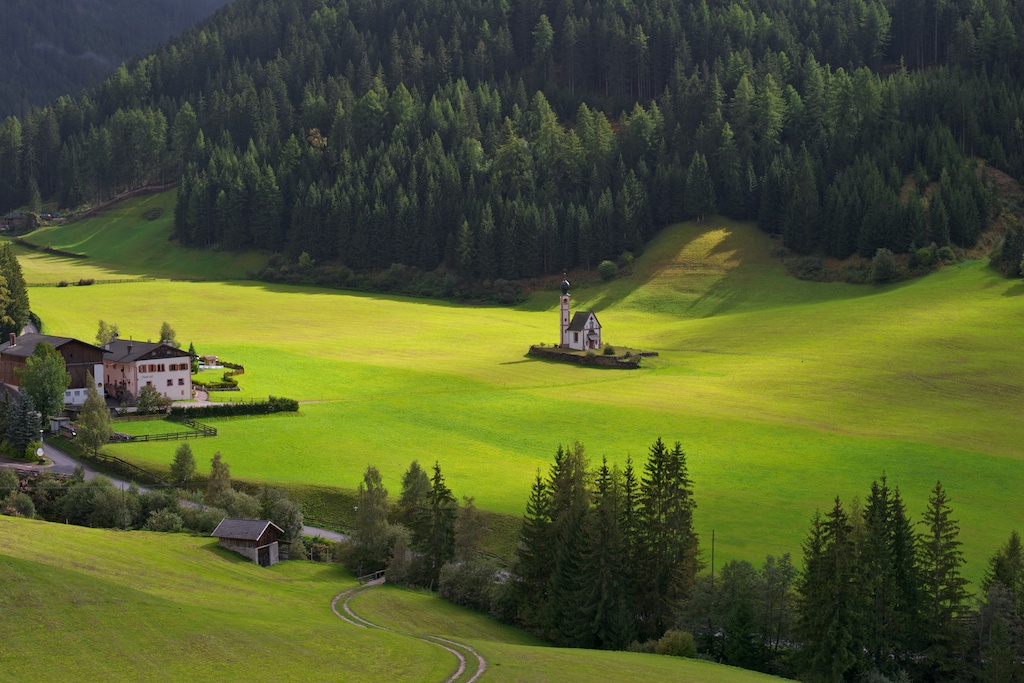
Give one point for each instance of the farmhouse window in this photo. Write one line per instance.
(181, 382)
(160, 368)
(149, 384)
(170, 382)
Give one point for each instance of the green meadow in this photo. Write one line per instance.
(90, 604)
(783, 393)
(129, 240)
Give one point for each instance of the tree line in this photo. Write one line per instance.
(608, 558)
(509, 144)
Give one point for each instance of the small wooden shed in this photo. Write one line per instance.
(252, 538)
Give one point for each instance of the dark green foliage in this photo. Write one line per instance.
(282, 511)
(94, 427)
(288, 133)
(272, 405)
(14, 307)
(470, 584)
(184, 465)
(943, 588)
(45, 379)
(442, 511)
(1007, 260)
(596, 547)
(22, 423)
(666, 558)
(370, 545)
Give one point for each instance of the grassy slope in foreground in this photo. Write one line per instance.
(126, 244)
(85, 604)
(513, 656)
(784, 393)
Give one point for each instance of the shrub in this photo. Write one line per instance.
(809, 268)
(8, 482)
(646, 647)
(470, 584)
(19, 505)
(164, 520)
(591, 354)
(152, 214)
(946, 254)
(607, 270)
(609, 350)
(202, 519)
(62, 283)
(676, 644)
(297, 550)
(271, 405)
(85, 281)
(883, 266)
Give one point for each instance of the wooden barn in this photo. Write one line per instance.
(80, 359)
(256, 539)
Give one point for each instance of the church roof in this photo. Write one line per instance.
(579, 320)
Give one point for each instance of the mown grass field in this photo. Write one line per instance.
(88, 604)
(784, 393)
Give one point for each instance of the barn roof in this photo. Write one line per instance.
(579, 320)
(243, 529)
(128, 351)
(25, 345)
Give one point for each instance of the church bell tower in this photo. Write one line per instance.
(564, 338)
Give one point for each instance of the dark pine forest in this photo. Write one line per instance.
(61, 47)
(503, 140)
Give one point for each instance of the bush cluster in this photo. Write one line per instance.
(272, 405)
(398, 279)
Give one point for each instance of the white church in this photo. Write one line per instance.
(583, 332)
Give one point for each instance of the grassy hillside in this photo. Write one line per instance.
(784, 393)
(132, 239)
(85, 605)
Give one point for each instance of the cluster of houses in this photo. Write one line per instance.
(120, 369)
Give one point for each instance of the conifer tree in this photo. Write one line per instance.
(22, 422)
(667, 558)
(14, 306)
(569, 509)
(700, 188)
(607, 604)
(533, 554)
(412, 501)
(944, 592)
(444, 511)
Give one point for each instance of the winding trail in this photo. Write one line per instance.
(458, 649)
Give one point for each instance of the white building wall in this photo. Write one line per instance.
(76, 397)
(174, 384)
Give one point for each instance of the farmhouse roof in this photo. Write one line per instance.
(579, 320)
(128, 351)
(243, 529)
(25, 345)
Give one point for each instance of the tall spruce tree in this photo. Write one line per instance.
(944, 590)
(444, 512)
(22, 423)
(607, 605)
(532, 566)
(829, 599)
(566, 620)
(14, 306)
(667, 554)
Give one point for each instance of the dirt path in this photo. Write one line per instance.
(460, 650)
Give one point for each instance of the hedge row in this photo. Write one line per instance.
(272, 405)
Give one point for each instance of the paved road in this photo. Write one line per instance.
(65, 464)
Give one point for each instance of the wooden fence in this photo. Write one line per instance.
(198, 430)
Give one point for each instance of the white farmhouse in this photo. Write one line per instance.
(130, 365)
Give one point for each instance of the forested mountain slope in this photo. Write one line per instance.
(59, 47)
(507, 140)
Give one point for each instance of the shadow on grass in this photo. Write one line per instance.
(1015, 290)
